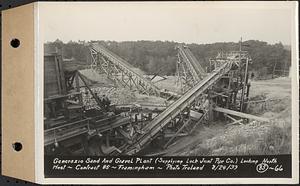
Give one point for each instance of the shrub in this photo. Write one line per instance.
(276, 141)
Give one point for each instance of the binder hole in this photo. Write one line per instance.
(15, 43)
(17, 146)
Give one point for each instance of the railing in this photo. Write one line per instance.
(233, 55)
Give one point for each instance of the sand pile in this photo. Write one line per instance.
(150, 100)
(100, 79)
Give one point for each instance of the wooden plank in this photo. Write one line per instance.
(240, 114)
(233, 119)
(179, 130)
(58, 75)
(236, 121)
(198, 122)
(176, 135)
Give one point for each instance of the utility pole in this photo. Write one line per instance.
(240, 50)
(240, 68)
(244, 85)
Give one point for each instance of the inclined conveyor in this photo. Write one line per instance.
(159, 122)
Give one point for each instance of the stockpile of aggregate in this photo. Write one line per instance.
(116, 96)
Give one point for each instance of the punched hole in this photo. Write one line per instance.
(15, 43)
(17, 146)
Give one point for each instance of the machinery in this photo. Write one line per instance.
(73, 128)
(69, 127)
(123, 73)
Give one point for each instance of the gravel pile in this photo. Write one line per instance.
(116, 96)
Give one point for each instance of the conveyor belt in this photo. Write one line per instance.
(104, 51)
(127, 70)
(200, 71)
(65, 131)
(192, 63)
(109, 125)
(173, 110)
(70, 130)
(188, 64)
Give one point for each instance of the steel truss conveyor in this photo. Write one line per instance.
(162, 120)
(189, 70)
(120, 71)
(195, 63)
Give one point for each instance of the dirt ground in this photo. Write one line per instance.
(274, 88)
(252, 138)
(169, 83)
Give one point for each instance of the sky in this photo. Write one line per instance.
(188, 22)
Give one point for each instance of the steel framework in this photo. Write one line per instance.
(178, 108)
(238, 76)
(120, 71)
(138, 126)
(188, 69)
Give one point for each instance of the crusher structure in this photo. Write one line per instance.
(70, 128)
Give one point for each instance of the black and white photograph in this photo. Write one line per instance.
(171, 79)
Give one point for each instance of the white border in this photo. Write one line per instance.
(39, 94)
(39, 162)
(295, 93)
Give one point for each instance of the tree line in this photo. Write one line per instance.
(159, 57)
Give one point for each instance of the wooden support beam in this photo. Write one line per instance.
(240, 114)
(235, 122)
(220, 94)
(58, 75)
(78, 87)
(124, 134)
(90, 90)
(198, 122)
(175, 135)
(233, 119)
(62, 74)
